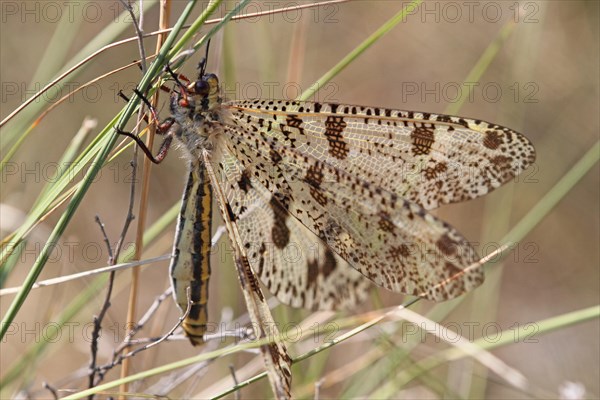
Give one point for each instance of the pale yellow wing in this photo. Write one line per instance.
(362, 178)
(294, 264)
(428, 159)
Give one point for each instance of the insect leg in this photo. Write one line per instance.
(167, 128)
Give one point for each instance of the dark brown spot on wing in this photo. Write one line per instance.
(446, 245)
(454, 273)
(503, 164)
(397, 254)
(385, 223)
(434, 172)
(314, 177)
(244, 182)
(280, 233)
(295, 122)
(324, 267)
(334, 129)
(422, 140)
(329, 263)
(275, 157)
(312, 272)
(492, 140)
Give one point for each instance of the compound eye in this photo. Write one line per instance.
(202, 87)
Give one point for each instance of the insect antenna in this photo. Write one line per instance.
(203, 62)
(176, 78)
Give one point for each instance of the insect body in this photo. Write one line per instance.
(347, 188)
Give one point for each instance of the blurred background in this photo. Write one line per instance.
(541, 79)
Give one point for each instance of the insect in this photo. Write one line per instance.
(346, 189)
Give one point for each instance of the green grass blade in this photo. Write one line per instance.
(521, 229)
(53, 59)
(52, 192)
(169, 367)
(66, 159)
(522, 333)
(24, 121)
(36, 269)
(29, 357)
(554, 196)
(481, 66)
(79, 303)
(350, 57)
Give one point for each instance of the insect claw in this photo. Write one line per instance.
(164, 126)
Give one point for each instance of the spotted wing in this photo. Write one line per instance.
(428, 159)
(390, 240)
(277, 360)
(294, 264)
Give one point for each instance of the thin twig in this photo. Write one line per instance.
(138, 30)
(85, 274)
(144, 320)
(135, 272)
(176, 379)
(236, 395)
(119, 358)
(98, 319)
(113, 257)
(106, 240)
(130, 217)
(177, 325)
(52, 390)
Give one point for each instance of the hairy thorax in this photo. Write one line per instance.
(199, 116)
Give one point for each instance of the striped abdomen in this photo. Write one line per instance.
(190, 265)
